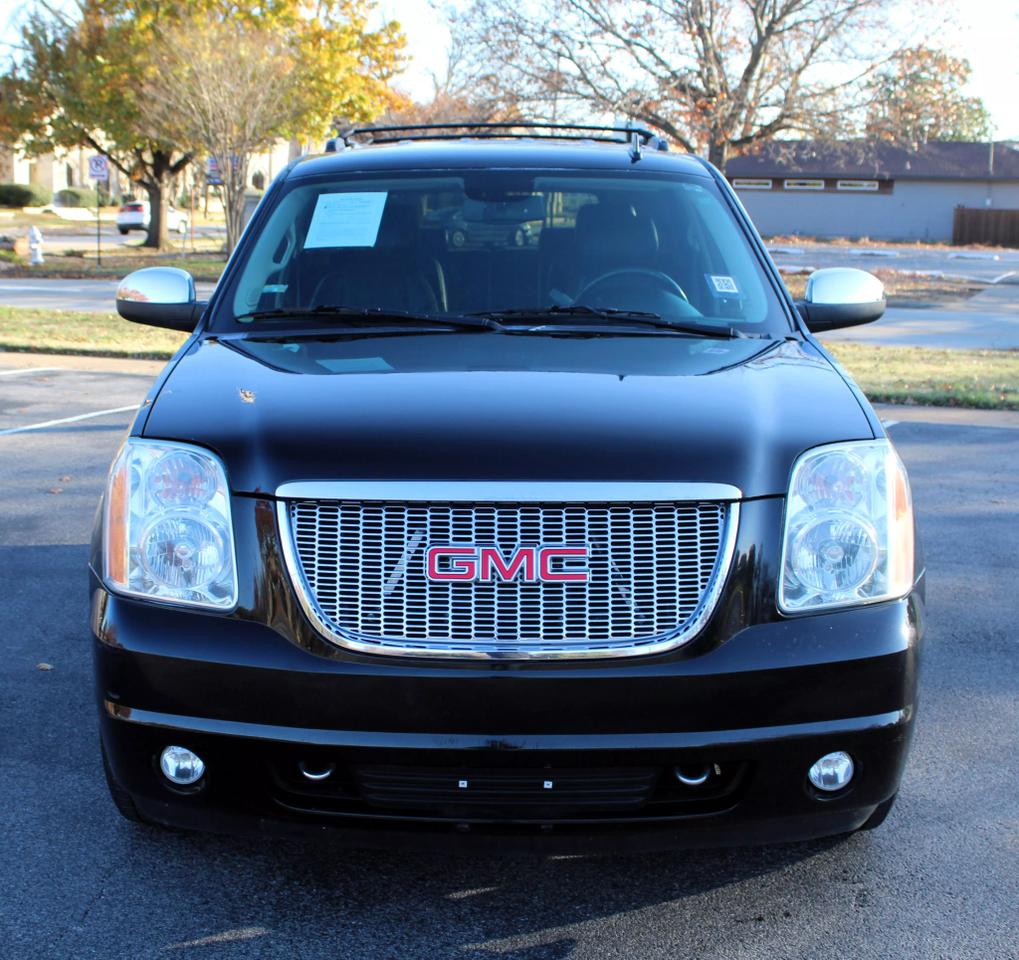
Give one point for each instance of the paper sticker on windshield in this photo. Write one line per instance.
(722, 286)
(346, 220)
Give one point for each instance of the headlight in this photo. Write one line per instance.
(168, 534)
(848, 528)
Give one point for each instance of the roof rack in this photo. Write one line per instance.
(634, 137)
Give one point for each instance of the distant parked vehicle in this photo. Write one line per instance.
(135, 215)
(514, 223)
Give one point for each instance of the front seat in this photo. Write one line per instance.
(612, 236)
(391, 275)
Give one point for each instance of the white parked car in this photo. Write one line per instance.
(135, 215)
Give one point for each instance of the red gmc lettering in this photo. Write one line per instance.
(492, 562)
(463, 563)
(568, 575)
(487, 564)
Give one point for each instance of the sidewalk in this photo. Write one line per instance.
(987, 321)
(11, 360)
(891, 413)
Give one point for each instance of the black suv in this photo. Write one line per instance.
(582, 540)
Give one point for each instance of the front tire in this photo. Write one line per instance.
(123, 231)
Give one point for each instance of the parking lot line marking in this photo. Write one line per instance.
(57, 423)
(18, 373)
(889, 423)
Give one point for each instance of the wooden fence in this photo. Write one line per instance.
(996, 228)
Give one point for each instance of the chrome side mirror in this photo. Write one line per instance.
(160, 297)
(841, 297)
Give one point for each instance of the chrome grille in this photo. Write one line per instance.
(654, 572)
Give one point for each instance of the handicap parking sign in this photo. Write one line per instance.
(99, 167)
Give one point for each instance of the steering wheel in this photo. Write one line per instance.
(662, 279)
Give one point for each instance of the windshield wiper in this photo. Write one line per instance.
(327, 314)
(584, 312)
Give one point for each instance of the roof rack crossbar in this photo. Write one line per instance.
(634, 137)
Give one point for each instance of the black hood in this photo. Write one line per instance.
(485, 406)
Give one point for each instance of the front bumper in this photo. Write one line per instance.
(758, 708)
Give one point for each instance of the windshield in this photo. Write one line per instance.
(503, 241)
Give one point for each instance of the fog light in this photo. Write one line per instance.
(832, 772)
(181, 766)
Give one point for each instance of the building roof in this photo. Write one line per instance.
(874, 160)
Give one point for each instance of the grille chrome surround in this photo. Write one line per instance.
(657, 570)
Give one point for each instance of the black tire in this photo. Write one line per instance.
(123, 231)
(121, 798)
(881, 811)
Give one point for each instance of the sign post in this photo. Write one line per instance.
(98, 170)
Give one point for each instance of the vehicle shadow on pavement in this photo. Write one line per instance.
(389, 904)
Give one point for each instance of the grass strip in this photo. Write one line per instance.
(84, 334)
(204, 266)
(982, 379)
(904, 288)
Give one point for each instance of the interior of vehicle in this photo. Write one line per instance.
(491, 241)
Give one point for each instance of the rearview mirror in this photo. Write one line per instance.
(841, 297)
(160, 297)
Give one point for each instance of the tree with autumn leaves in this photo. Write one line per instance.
(88, 77)
(921, 95)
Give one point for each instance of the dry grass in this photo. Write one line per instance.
(984, 379)
(87, 334)
(905, 288)
(793, 240)
(203, 265)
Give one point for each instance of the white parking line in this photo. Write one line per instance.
(57, 423)
(889, 423)
(18, 373)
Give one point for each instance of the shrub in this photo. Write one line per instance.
(24, 195)
(76, 197)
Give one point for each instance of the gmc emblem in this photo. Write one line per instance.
(475, 564)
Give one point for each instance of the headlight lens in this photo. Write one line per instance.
(848, 528)
(168, 534)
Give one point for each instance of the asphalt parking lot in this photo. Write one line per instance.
(940, 879)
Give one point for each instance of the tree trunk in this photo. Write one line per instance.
(235, 188)
(157, 186)
(718, 153)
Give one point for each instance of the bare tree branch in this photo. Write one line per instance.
(713, 75)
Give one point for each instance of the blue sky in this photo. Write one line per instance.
(986, 32)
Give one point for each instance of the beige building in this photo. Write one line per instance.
(69, 168)
(54, 171)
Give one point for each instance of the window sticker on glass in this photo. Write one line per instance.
(346, 220)
(722, 286)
